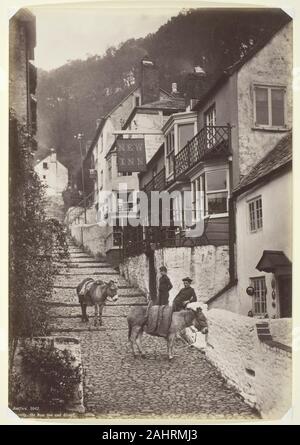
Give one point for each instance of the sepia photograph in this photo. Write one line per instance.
(150, 212)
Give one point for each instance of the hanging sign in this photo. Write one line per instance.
(131, 155)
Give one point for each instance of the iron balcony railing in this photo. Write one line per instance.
(210, 142)
(157, 183)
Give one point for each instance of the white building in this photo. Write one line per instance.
(53, 174)
(263, 203)
(264, 235)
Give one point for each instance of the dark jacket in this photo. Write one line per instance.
(185, 295)
(163, 289)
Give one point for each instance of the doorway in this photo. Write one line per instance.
(285, 296)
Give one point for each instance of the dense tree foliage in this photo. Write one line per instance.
(35, 242)
(73, 96)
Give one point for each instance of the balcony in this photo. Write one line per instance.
(211, 142)
(157, 183)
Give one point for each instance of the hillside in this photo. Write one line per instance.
(72, 97)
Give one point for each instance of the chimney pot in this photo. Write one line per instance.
(149, 81)
(174, 87)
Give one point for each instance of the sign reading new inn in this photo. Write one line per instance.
(131, 155)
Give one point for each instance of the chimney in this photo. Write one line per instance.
(149, 81)
(174, 88)
(195, 84)
(52, 155)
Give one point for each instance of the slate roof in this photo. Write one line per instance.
(220, 79)
(280, 156)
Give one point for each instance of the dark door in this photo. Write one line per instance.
(285, 296)
(152, 277)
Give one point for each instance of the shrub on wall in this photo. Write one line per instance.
(35, 242)
(49, 378)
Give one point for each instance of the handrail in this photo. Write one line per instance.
(157, 182)
(210, 140)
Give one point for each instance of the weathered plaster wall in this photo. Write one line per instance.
(228, 300)
(206, 265)
(149, 121)
(91, 237)
(281, 330)
(276, 234)
(272, 65)
(261, 374)
(56, 175)
(136, 272)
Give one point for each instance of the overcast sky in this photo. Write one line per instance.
(68, 33)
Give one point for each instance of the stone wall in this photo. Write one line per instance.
(23, 386)
(206, 265)
(136, 272)
(281, 330)
(228, 300)
(18, 88)
(92, 237)
(261, 373)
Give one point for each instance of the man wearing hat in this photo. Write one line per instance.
(186, 295)
(164, 286)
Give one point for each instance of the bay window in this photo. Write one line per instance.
(210, 193)
(185, 134)
(170, 152)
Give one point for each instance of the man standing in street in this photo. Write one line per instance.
(186, 295)
(164, 287)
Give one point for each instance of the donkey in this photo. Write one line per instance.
(139, 317)
(95, 293)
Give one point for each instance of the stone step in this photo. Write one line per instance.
(87, 272)
(84, 261)
(76, 325)
(71, 299)
(94, 265)
(126, 292)
(80, 255)
(73, 281)
(112, 310)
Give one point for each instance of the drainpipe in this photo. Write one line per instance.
(231, 205)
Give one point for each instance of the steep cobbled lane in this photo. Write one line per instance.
(116, 384)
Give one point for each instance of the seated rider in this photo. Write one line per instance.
(186, 295)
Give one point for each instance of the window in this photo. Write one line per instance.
(137, 101)
(45, 165)
(185, 134)
(210, 194)
(44, 176)
(124, 173)
(259, 297)
(154, 171)
(269, 103)
(170, 143)
(255, 214)
(210, 123)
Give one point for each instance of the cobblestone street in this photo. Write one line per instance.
(116, 384)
